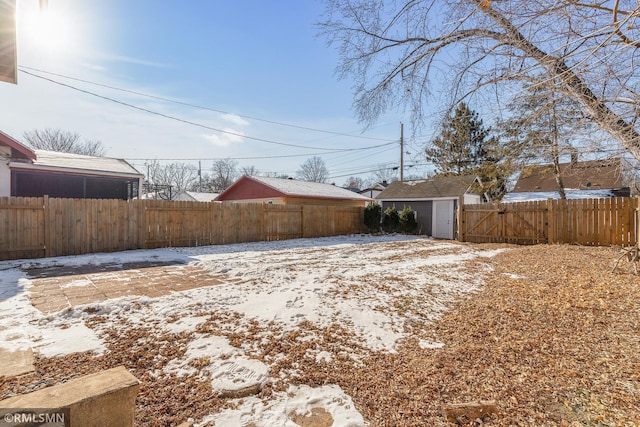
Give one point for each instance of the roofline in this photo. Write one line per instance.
(569, 189)
(71, 171)
(476, 179)
(426, 199)
(238, 181)
(301, 196)
(15, 145)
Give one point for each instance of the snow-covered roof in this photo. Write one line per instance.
(53, 160)
(530, 196)
(197, 196)
(293, 187)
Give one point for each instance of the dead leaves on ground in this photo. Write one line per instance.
(553, 337)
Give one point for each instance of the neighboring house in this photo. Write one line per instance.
(374, 190)
(194, 196)
(34, 173)
(435, 201)
(581, 180)
(289, 192)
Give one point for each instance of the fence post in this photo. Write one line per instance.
(46, 228)
(636, 220)
(461, 220)
(551, 222)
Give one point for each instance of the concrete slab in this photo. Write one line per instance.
(15, 363)
(73, 286)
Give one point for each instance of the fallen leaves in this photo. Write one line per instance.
(552, 337)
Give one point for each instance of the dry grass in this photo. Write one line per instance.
(553, 337)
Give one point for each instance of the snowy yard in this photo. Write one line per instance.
(242, 350)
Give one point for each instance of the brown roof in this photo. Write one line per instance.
(432, 188)
(588, 175)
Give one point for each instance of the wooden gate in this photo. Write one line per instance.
(520, 223)
(593, 222)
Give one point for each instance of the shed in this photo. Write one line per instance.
(435, 201)
(289, 192)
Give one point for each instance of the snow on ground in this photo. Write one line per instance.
(372, 286)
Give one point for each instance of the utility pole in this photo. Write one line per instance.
(401, 151)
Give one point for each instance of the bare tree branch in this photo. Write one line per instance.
(400, 53)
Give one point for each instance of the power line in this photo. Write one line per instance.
(187, 104)
(197, 124)
(206, 159)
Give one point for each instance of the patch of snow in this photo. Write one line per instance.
(22, 326)
(514, 276)
(297, 400)
(77, 283)
(372, 286)
(430, 344)
(237, 373)
(324, 356)
(185, 324)
(230, 370)
(60, 339)
(532, 196)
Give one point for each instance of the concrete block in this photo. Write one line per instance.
(106, 398)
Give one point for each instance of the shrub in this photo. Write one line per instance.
(391, 220)
(372, 217)
(407, 219)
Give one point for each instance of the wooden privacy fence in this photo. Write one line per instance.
(593, 222)
(42, 227)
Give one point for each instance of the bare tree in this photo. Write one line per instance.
(170, 179)
(354, 182)
(223, 173)
(63, 141)
(276, 175)
(544, 127)
(313, 170)
(249, 170)
(385, 173)
(399, 51)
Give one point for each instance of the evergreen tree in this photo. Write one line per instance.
(465, 148)
(460, 147)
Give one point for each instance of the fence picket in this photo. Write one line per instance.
(37, 227)
(592, 222)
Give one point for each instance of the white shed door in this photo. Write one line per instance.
(443, 211)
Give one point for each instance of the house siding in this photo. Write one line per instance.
(297, 201)
(424, 209)
(323, 202)
(5, 172)
(249, 191)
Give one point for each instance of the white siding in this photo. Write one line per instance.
(472, 199)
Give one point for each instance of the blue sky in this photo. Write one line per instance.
(254, 59)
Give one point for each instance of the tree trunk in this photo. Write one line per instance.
(573, 85)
